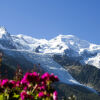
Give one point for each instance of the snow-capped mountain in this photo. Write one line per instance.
(6, 40)
(26, 48)
(62, 44)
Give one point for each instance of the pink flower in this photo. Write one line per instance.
(18, 84)
(43, 87)
(12, 84)
(41, 95)
(25, 88)
(24, 82)
(25, 96)
(53, 78)
(43, 83)
(45, 76)
(4, 83)
(32, 83)
(55, 94)
(35, 73)
(12, 81)
(36, 77)
(0, 83)
(28, 77)
(56, 78)
(7, 83)
(31, 77)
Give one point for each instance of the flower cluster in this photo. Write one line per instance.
(31, 87)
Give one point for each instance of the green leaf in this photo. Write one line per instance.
(16, 96)
(1, 97)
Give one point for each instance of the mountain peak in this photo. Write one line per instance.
(2, 31)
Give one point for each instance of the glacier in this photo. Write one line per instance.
(58, 45)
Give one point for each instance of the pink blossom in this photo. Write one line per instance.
(53, 78)
(12, 84)
(24, 82)
(55, 94)
(25, 88)
(56, 78)
(45, 76)
(36, 77)
(41, 95)
(4, 83)
(31, 77)
(0, 83)
(43, 87)
(31, 85)
(25, 96)
(18, 84)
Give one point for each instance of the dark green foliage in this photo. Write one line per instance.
(6, 71)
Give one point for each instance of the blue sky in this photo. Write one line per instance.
(49, 18)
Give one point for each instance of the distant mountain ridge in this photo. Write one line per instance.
(87, 53)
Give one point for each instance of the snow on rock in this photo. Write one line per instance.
(62, 44)
(2, 31)
(27, 43)
(4, 34)
(49, 65)
(95, 61)
(56, 45)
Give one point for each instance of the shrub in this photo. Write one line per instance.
(32, 86)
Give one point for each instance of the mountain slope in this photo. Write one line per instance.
(85, 74)
(87, 53)
(26, 60)
(26, 51)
